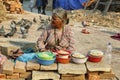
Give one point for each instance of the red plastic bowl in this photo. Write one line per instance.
(62, 60)
(94, 58)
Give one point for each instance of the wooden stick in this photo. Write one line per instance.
(107, 7)
(96, 5)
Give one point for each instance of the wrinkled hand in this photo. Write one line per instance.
(64, 49)
(58, 47)
(42, 50)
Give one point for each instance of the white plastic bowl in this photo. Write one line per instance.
(79, 60)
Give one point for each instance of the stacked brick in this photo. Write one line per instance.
(12, 71)
(99, 71)
(13, 6)
(34, 71)
(21, 71)
(97, 75)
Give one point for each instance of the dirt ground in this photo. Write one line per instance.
(97, 39)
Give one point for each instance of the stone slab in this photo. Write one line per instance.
(8, 67)
(13, 76)
(27, 75)
(2, 76)
(32, 65)
(99, 66)
(107, 75)
(24, 44)
(7, 47)
(71, 68)
(20, 43)
(50, 67)
(72, 77)
(3, 40)
(15, 79)
(38, 75)
(93, 77)
(20, 67)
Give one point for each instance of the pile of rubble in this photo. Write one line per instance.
(2, 11)
(9, 6)
(112, 19)
(13, 6)
(114, 6)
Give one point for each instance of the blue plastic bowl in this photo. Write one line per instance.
(45, 62)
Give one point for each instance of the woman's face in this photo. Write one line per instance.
(56, 22)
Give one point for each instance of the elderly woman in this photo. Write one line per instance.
(58, 35)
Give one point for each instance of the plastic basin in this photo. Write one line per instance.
(45, 62)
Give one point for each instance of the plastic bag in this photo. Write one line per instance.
(26, 57)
